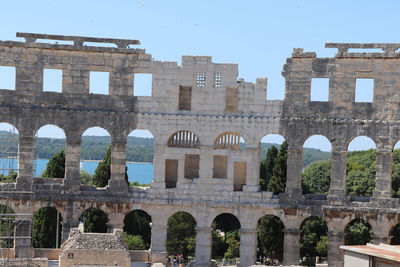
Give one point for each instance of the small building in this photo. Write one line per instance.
(83, 249)
(371, 255)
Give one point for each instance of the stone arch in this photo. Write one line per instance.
(313, 233)
(361, 166)
(225, 227)
(270, 247)
(228, 140)
(138, 222)
(181, 234)
(7, 219)
(44, 232)
(364, 236)
(184, 139)
(394, 235)
(316, 169)
(91, 224)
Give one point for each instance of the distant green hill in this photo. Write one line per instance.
(138, 149)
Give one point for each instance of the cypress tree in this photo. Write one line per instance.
(55, 168)
(45, 228)
(94, 221)
(267, 166)
(278, 179)
(103, 171)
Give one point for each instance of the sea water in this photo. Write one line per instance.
(137, 171)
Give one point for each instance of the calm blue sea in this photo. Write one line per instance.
(137, 172)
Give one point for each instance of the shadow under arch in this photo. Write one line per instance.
(181, 235)
(395, 235)
(225, 236)
(94, 220)
(270, 239)
(357, 232)
(138, 223)
(46, 222)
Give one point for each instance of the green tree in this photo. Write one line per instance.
(134, 242)
(270, 237)
(45, 228)
(181, 234)
(137, 223)
(267, 166)
(278, 180)
(55, 168)
(313, 229)
(322, 246)
(86, 178)
(316, 178)
(358, 232)
(233, 243)
(7, 226)
(94, 221)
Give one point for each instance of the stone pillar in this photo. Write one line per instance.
(203, 246)
(335, 254)
(337, 188)
(121, 82)
(291, 247)
(159, 166)
(248, 247)
(29, 77)
(117, 182)
(25, 161)
(158, 250)
(206, 162)
(377, 239)
(294, 172)
(68, 221)
(23, 238)
(76, 80)
(383, 181)
(72, 164)
(253, 170)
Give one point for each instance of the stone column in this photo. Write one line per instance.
(291, 247)
(25, 161)
(23, 238)
(117, 182)
(206, 162)
(335, 254)
(383, 181)
(203, 246)
(377, 239)
(29, 77)
(294, 171)
(337, 188)
(68, 221)
(253, 170)
(72, 164)
(76, 80)
(121, 82)
(248, 247)
(159, 166)
(158, 250)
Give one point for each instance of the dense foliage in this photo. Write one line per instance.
(270, 237)
(266, 167)
(358, 232)
(225, 236)
(94, 221)
(7, 226)
(137, 223)
(181, 235)
(55, 168)
(44, 232)
(277, 182)
(313, 237)
(134, 242)
(317, 177)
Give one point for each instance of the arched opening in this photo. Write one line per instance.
(8, 153)
(94, 220)
(139, 158)
(181, 236)
(7, 223)
(313, 239)
(49, 152)
(316, 165)
(184, 138)
(357, 232)
(225, 238)
(95, 157)
(361, 160)
(230, 140)
(395, 235)
(270, 240)
(273, 166)
(137, 230)
(396, 171)
(47, 228)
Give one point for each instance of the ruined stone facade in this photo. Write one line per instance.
(197, 113)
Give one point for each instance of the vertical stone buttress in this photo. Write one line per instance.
(337, 188)
(72, 163)
(117, 182)
(335, 254)
(294, 171)
(291, 246)
(158, 242)
(203, 246)
(25, 160)
(159, 165)
(23, 237)
(383, 182)
(253, 169)
(248, 247)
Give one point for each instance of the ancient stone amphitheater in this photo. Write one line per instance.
(197, 113)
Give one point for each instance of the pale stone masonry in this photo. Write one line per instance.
(197, 113)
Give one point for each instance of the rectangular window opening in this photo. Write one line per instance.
(192, 165)
(185, 98)
(364, 90)
(220, 168)
(239, 175)
(143, 83)
(200, 79)
(99, 82)
(171, 173)
(319, 89)
(52, 80)
(7, 78)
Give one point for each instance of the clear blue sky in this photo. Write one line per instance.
(258, 35)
